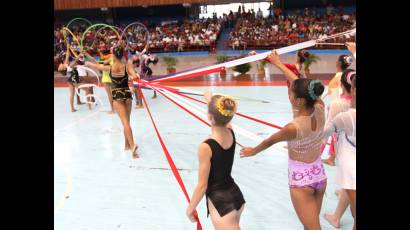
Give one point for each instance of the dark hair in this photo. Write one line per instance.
(155, 60)
(300, 87)
(302, 55)
(219, 105)
(64, 72)
(345, 61)
(345, 81)
(118, 52)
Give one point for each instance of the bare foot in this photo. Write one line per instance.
(111, 112)
(332, 220)
(155, 96)
(134, 152)
(126, 146)
(139, 106)
(80, 103)
(73, 110)
(329, 162)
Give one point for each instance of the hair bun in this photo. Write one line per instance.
(318, 89)
(348, 60)
(315, 89)
(226, 106)
(118, 51)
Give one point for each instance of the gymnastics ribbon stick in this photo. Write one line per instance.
(253, 58)
(170, 161)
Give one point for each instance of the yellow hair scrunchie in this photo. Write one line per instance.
(220, 107)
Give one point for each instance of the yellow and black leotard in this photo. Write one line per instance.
(120, 88)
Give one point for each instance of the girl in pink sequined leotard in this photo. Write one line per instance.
(307, 178)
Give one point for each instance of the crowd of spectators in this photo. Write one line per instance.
(168, 36)
(200, 34)
(255, 32)
(251, 30)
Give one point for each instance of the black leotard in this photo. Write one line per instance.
(222, 190)
(120, 88)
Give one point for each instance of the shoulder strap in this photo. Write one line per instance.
(233, 135)
(212, 144)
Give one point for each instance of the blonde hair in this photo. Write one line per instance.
(222, 108)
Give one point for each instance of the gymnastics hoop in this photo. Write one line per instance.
(78, 19)
(124, 33)
(93, 26)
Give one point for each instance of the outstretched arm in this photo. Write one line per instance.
(75, 61)
(67, 56)
(286, 134)
(273, 58)
(97, 66)
(108, 60)
(351, 46)
(91, 57)
(335, 125)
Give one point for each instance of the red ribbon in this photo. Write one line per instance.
(176, 91)
(186, 110)
(239, 114)
(170, 161)
(195, 74)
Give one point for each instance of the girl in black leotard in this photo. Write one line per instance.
(121, 93)
(224, 199)
(73, 79)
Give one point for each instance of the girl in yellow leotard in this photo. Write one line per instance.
(106, 80)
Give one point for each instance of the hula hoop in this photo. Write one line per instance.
(124, 31)
(104, 35)
(93, 26)
(76, 19)
(74, 37)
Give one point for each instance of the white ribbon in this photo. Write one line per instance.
(199, 111)
(89, 85)
(260, 56)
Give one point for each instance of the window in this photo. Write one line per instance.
(208, 10)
